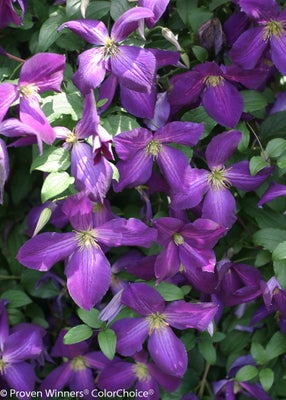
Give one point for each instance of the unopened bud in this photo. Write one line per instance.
(168, 35)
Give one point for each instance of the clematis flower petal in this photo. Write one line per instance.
(4, 167)
(107, 91)
(134, 68)
(274, 190)
(128, 143)
(248, 48)
(78, 208)
(183, 315)
(219, 206)
(21, 377)
(139, 104)
(191, 257)
(158, 8)
(128, 22)
(143, 299)
(151, 386)
(167, 262)
(256, 390)
(94, 32)
(185, 88)
(88, 275)
(221, 148)
(117, 375)
(4, 324)
(168, 352)
(88, 124)
(278, 52)
(161, 112)
(167, 226)
(131, 334)
(58, 378)
(187, 133)
(202, 233)
(223, 103)
(44, 250)
(168, 382)
(44, 70)
(82, 379)
(8, 94)
(265, 9)
(21, 345)
(91, 70)
(239, 176)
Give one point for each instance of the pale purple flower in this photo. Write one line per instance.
(157, 6)
(166, 350)
(4, 168)
(8, 13)
(274, 190)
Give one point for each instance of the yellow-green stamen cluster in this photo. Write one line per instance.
(178, 239)
(156, 321)
(214, 80)
(273, 28)
(141, 371)
(3, 365)
(110, 49)
(78, 363)
(71, 138)
(217, 179)
(153, 148)
(86, 239)
(28, 90)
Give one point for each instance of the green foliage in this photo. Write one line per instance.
(77, 334)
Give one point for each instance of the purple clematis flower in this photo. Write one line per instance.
(219, 204)
(76, 372)
(186, 246)
(22, 343)
(143, 374)
(87, 268)
(166, 350)
(4, 168)
(215, 86)
(42, 72)
(8, 14)
(269, 34)
(275, 190)
(133, 66)
(157, 6)
(139, 148)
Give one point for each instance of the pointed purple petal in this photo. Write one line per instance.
(58, 378)
(137, 103)
(4, 324)
(256, 390)
(143, 299)
(202, 233)
(117, 375)
(43, 251)
(127, 144)
(183, 315)
(91, 70)
(187, 133)
(107, 91)
(167, 226)
(88, 125)
(151, 386)
(274, 190)
(223, 103)
(167, 262)
(134, 68)
(168, 352)
(158, 8)
(8, 94)
(221, 148)
(94, 32)
(161, 112)
(248, 48)
(239, 176)
(81, 380)
(4, 167)
(44, 70)
(78, 208)
(252, 79)
(168, 382)
(220, 206)
(173, 164)
(128, 22)
(278, 52)
(21, 345)
(21, 377)
(185, 88)
(88, 275)
(131, 334)
(265, 9)
(192, 257)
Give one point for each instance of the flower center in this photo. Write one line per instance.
(156, 321)
(110, 48)
(153, 148)
(217, 179)
(86, 239)
(71, 138)
(141, 371)
(178, 239)
(273, 28)
(28, 90)
(3, 366)
(78, 364)
(214, 80)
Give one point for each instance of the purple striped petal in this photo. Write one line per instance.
(94, 32)
(167, 262)
(143, 299)
(220, 206)
(248, 48)
(131, 334)
(117, 375)
(185, 88)
(21, 345)
(274, 190)
(158, 8)
(278, 52)
(88, 124)
(82, 379)
(44, 250)
(167, 226)
(187, 133)
(223, 103)
(8, 94)
(173, 164)
(168, 382)
(265, 9)
(127, 144)
(21, 377)
(128, 22)
(183, 315)
(58, 378)
(202, 233)
(151, 387)
(44, 70)
(256, 390)
(107, 91)
(140, 104)
(134, 68)
(4, 167)
(221, 148)
(4, 324)
(88, 275)
(91, 70)
(191, 257)
(168, 352)
(239, 176)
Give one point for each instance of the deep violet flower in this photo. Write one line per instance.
(219, 204)
(274, 190)
(269, 34)
(4, 168)
(133, 66)
(158, 7)
(8, 14)
(142, 374)
(87, 268)
(186, 246)
(215, 86)
(166, 350)
(22, 343)
(139, 148)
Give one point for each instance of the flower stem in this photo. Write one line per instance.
(204, 381)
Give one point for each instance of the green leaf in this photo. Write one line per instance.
(55, 184)
(61, 104)
(258, 353)
(276, 346)
(200, 53)
(77, 334)
(216, 3)
(253, 100)
(46, 290)
(52, 160)
(269, 238)
(185, 8)
(256, 164)
(107, 343)
(199, 115)
(207, 350)
(98, 9)
(48, 32)
(279, 252)
(90, 318)
(280, 272)
(118, 123)
(246, 373)
(198, 16)
(118, 7)
(169, 291)
(266, 378)
(275, 147)
(274, 125)
(42, 220)
(115, 172)
(16, 298)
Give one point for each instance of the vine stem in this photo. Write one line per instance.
(9, 277)
(204, 381)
